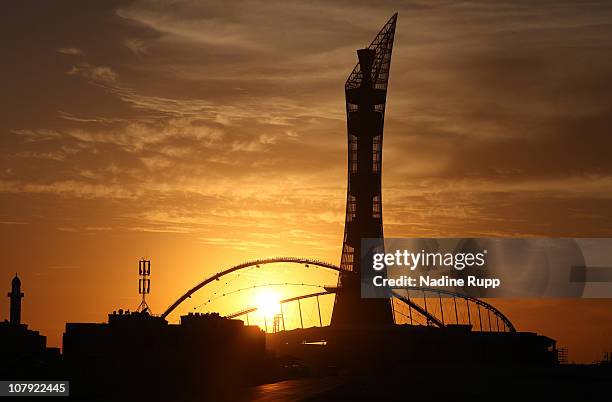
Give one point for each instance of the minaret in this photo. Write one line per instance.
(15, 297)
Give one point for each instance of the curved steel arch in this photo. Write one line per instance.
(293, 260)
(487, 306)
(432, 318)
(323, 264)
(330, 291)
(307, 296)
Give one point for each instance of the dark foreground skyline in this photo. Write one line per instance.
(201, 135)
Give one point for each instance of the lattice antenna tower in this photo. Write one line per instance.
(144, 284)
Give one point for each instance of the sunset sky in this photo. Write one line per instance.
(201, 134)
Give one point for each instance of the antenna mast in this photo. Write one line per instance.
(144, 284)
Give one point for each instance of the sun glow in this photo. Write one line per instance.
(267, 303)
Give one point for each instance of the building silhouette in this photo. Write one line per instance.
(141, 355)
(22, 351)
(366, 94)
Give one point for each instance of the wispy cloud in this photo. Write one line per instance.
(97, 74)
(71, 51)
(137, 46)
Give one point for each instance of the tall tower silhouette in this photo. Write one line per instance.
(16, 295)
(366, 93)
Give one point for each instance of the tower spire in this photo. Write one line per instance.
(366, 93)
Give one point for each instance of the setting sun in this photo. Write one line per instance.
(267, 303)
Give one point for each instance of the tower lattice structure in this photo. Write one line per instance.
(366, 94)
